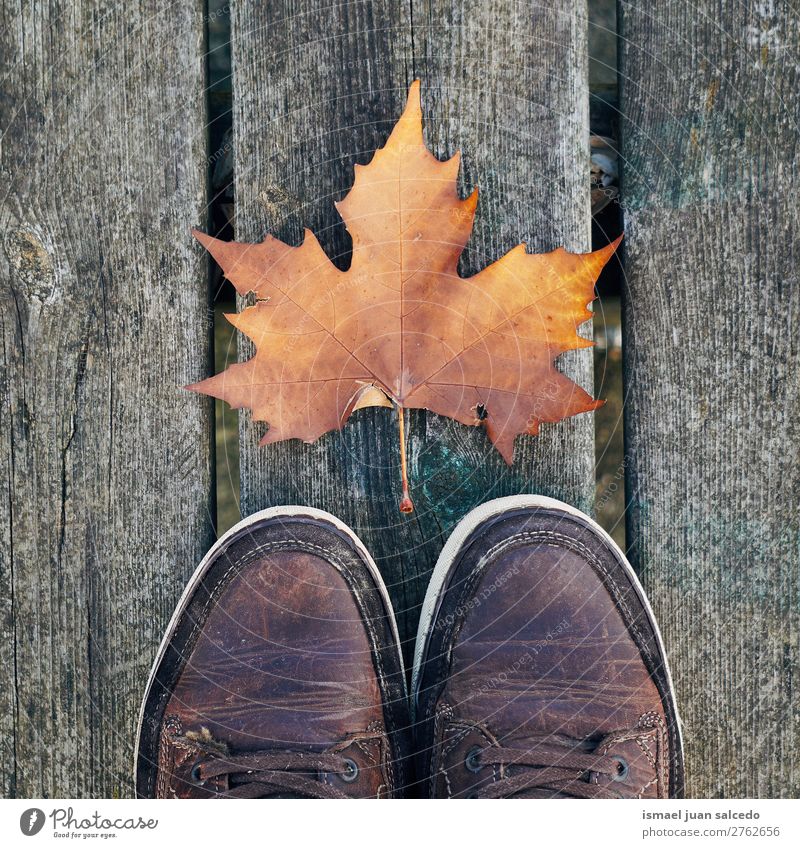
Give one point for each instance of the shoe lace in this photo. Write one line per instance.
(548, 770)
(265, 774)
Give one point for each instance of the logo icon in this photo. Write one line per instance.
(31, 821)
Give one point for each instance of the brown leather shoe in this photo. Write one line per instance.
(540, 671)
(280, 673)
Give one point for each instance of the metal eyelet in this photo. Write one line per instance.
(195, 774)
(471, 761)
(622, 770)
(351, 770)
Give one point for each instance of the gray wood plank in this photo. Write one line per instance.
(317, 89)
(106, 461)
(8, 702)
(712, 364)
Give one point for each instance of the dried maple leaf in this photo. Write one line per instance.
(401, 327)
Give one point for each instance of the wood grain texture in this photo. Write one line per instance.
(712, 355)
(105, 460)
(318, 87)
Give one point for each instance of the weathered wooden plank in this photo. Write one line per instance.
(318, 87)
(8, 703)
(712, 361)
(106, 461)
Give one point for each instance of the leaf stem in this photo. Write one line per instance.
(406, 504)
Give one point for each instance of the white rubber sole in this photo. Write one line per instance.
(462, 532)
(220, 544)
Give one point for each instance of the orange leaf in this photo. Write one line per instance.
(400, 323)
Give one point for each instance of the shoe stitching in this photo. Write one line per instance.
(647, 720)
(166, 759)
(443, 712)
(463, 728)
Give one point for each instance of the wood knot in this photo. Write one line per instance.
(279, 208)
(34, 274)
